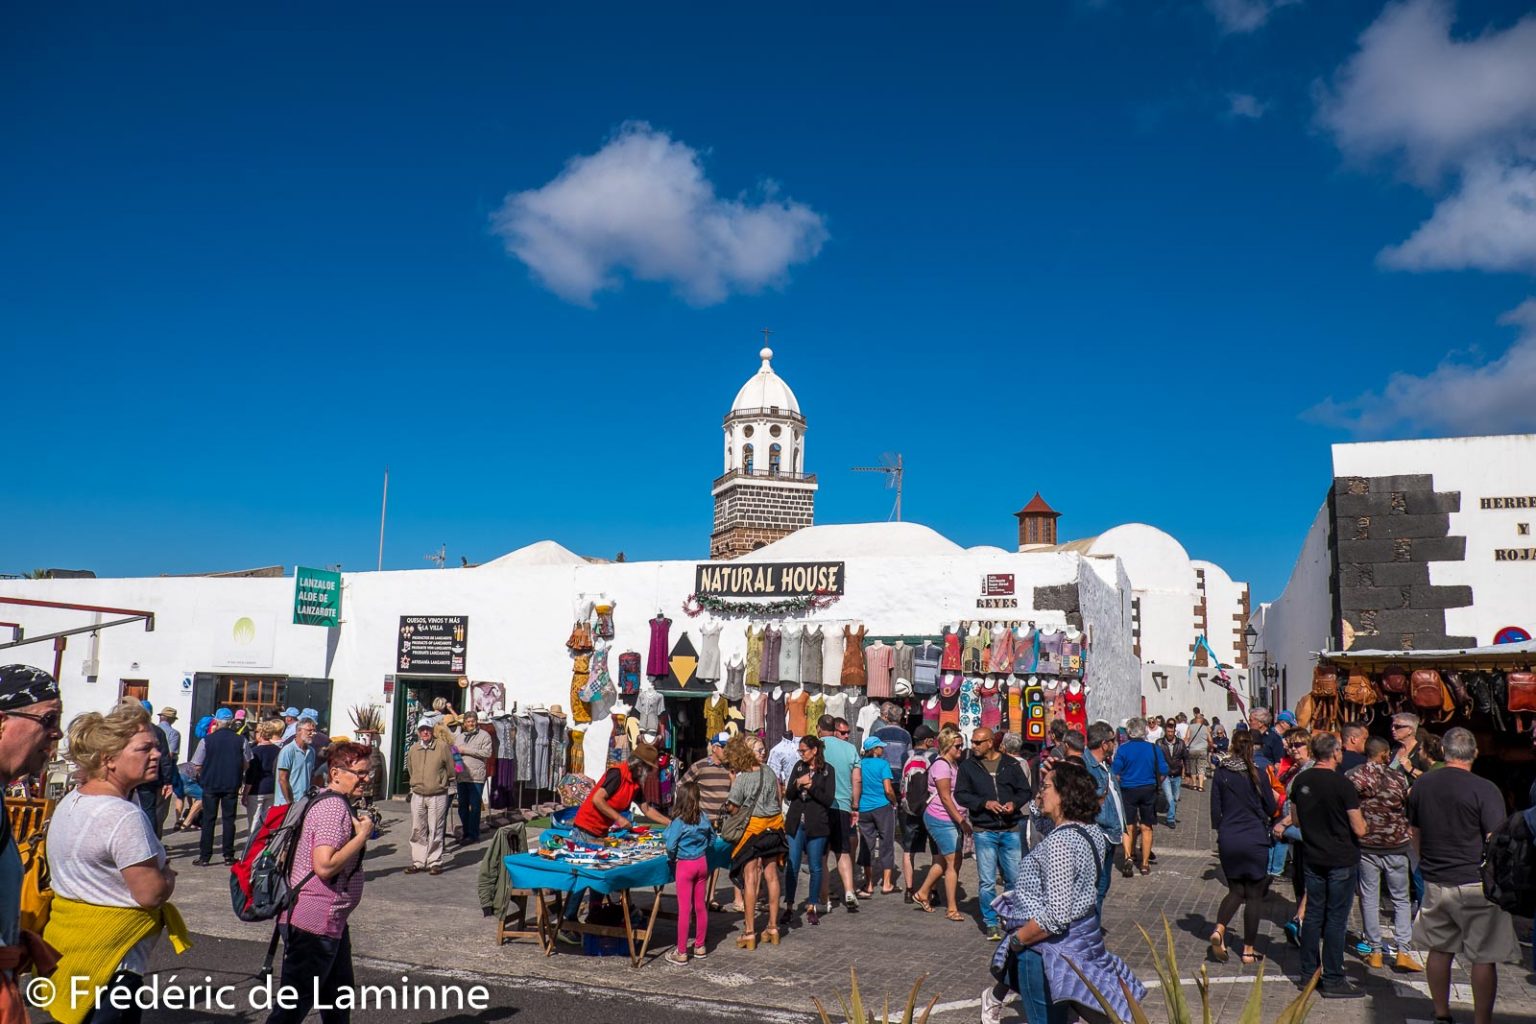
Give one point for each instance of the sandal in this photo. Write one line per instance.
(1218, 948)
(1252, 958)
(924, 905)
(865, 894)
(954, 915)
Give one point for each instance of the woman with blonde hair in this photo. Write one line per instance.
(945, 821)
(760, 852)
(261, 773)
(111, 885)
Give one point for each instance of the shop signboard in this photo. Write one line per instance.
(768, 579)
(433, 644)
(316, 597)
(243, 639)
(997, 584)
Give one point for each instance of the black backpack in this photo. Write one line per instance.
(915, 786)
(1509, 866)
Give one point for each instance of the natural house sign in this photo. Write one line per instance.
(768, 579)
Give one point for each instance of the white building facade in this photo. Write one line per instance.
(1419, 545)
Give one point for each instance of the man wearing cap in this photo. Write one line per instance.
(914, 837)
(714, 780)
(295, 766)
(30, 712)
(221, 771)
(290, 723)
(429, 765)
(898, 742)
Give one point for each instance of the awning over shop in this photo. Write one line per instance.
(1470, 657)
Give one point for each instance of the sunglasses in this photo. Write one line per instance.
(1397, 727)
(49, 722)
(354, 771)
(842, 732)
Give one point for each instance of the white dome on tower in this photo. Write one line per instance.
(766, 390)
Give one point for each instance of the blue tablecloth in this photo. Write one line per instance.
(530, 871)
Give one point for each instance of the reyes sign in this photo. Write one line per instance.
(769, 579)
(316, 597)
(434, 644)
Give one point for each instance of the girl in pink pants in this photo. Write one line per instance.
(688, 838)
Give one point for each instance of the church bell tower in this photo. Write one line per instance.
(765, 493)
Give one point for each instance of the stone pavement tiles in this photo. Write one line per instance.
(436, 922)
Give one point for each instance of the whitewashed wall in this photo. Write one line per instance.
(1478, 467)
(519, 618)
(1293, 627)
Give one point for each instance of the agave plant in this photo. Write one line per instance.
(1179, 1012)
(367, 718)
(854, 1011)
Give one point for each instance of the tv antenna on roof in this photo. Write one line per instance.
(891, 466)
(439, 557)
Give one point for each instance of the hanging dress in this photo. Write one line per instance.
(709, 653)
(773, 643)
(903, 661)
(797, 705)
(880, 661)
(970, 704)
(773, 719)
(811, 641)
(656, 663)
(925, 669)
(754, 656)
(991, 705)
(1023, 651)
(951, 660)
(832, 657)
(714, 715)
(814, 709)
(854, 671)
(752, 711)
(931, 713)
(1000, 656)
(735, 685)
(973, 656)
(604, 627)
(949, 698)
(789, 655)
(629, 673)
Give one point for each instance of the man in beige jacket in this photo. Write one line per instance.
(430, 766)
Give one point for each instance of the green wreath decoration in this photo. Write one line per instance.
(695, 605)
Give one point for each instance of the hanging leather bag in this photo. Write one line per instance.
(1325, 681)
(1522, 691)
(1360, 690)
(1394, 681)
(1427, 690)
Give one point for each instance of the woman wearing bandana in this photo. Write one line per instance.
(29, 728)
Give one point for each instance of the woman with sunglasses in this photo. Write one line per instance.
(1297, 759)
(327, 860)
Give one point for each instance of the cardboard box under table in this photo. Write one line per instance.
(555, 881)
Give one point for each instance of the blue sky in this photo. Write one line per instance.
(1149, 259)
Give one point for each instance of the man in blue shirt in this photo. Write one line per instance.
(1100, 750)
(1270, 743)
(1141, 768)
(843, 758)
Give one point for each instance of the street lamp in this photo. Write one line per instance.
(1250, 638)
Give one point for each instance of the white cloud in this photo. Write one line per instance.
(1488, 224)
(642, 206)
(1244, 16)
(1242, 104)
(1413, 89)
(1458, 111)
(1460, 397)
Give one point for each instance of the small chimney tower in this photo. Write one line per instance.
(1037, 523)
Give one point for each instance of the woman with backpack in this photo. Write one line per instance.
(327, 877)
(1197, 740)
(1242, 807)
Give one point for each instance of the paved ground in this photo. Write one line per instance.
(436, 925)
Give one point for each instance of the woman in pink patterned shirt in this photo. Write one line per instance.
(327, 871)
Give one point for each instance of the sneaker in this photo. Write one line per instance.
(1293, 932)
(1345, 989)
(674, 957)
(995, 933)
(1406, 962)
(1363, 948)
(201, 862)
(992, 1008)
(700, 953)
(850, 903)
(569, 938)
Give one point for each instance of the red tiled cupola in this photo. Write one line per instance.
(1037, 522)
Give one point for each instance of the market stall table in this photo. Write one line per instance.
(554, 881)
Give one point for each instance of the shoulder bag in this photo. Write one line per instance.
(734, 825)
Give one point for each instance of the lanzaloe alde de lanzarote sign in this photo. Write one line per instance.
(316, 597)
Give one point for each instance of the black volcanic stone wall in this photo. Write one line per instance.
(1062, 597)
(1385, 532)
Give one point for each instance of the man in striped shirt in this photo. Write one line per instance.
(714, 781)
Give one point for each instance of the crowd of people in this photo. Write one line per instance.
(1355, 822)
